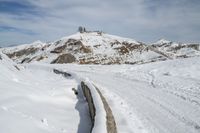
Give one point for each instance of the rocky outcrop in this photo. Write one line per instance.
(65, 74)
(41, 58)
(22, 52)
(64, 58)
(59, 49)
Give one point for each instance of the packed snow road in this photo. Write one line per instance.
(161, 97)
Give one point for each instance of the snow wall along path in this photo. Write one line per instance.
(100, 113)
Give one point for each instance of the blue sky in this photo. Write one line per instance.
(25, 21)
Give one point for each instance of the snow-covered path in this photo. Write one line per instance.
(161, 97)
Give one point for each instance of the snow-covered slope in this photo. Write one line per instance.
(89, 48)
(177, 50)
(100, 48)
(35, 100)
(161, 97)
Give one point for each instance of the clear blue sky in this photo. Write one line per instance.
(25, 21)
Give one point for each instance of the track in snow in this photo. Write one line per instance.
(160, 97)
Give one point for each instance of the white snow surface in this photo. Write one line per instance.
(36, 100)
(162, 41)
(162, 97)
(100, 114)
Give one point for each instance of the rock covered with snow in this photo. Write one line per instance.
(101, 48)
(177, 50)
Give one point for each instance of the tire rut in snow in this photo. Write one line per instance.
(176, 115)
(110, 121)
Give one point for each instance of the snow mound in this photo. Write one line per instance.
(100, 114)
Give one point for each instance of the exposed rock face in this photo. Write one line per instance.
(22, 52)
(59, 49)
(92, 48)
(41, 58)
(25, 60)
(64, 58)
(85, 49)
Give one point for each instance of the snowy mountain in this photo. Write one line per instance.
(100, 48)
(177, 50)
(161, 97)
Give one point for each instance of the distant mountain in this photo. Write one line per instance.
(7, 65)
(100, 48)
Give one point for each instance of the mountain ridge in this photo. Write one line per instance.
(100, 48)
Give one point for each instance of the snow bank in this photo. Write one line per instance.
(36, 100)
(100, 114)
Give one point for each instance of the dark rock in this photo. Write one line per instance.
(64, 58)
(75, 91)
(194, 46)
(25, 60)
(65, 74)
(22, 52)
(57, 42)
(85, 49)
(41, 58)
(17, 68)
(59, 49)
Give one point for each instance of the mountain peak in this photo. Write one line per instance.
(162, 41)
(95, 47)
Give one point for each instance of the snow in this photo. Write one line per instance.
(175, 50)
(162, 41)
(36, 100)
(100, 114)
(160, 97)
(100, 46)
(36, 44)
(92, 37)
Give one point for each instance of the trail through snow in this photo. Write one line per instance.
(161, 97)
